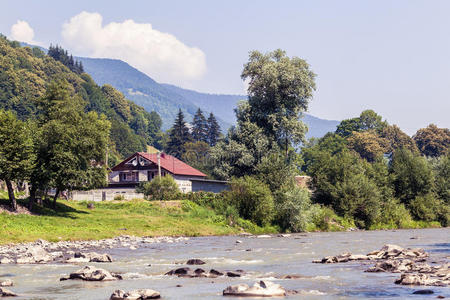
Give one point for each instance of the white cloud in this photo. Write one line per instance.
(22, 31)
(160, 55)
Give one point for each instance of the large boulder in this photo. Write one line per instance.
(420, 279)
(135, 295)
(259, 289)
(34, 255)
(7, 293)
(91, 273)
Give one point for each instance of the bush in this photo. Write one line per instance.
(325, 219)
(428, 208)
(119, 197)
(160, 188)
(252, 198)
(292, 208)
(394, 215)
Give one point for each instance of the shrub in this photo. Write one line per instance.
(119, 197)
(394, 215)
(160, 188)
(252, 198)
(292, 208)
(428, 208)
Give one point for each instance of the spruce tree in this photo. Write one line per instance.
(200, 127)
(178, 136)
(213, 130)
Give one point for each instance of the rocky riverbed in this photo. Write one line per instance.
(377, 264)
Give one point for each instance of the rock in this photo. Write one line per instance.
(423, 292)
(91, 273)
(419, 279)
(89, 257)
(215, 272)
(35, 255)
(6, 283)
(195, 262)
(259, 289)
(233, 274)
(7, 293)
(133, 248)
(179, 271)
(135, 295)
(263, 236)
(6, 261)
(238, 241)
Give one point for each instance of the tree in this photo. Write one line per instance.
(72, 144)
(178, 136)
(197, 156)
(280, 89)
(367, 120)
(433, 141)
(368, 144)
(253, 199)
(398, 139)
(213, 130)
(199, 127)
(413, 176)
(16, 152)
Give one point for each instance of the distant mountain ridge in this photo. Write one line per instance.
(166, 99)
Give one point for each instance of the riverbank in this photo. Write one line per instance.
(74, 221)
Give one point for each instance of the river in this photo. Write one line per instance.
(261, 257)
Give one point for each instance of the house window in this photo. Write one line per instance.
(129, 176)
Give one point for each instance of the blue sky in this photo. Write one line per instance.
(390, 56)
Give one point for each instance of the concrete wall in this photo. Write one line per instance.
(215, 187)
(106, 194)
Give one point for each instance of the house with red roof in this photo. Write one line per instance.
(142, 166)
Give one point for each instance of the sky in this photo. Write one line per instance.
(389, 56)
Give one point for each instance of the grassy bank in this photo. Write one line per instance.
(74, 221)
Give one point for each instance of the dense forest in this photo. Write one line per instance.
(27, 72)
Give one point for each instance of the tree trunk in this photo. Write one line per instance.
(32, 197)
(55, 197)
(287, 148)
(12, 199)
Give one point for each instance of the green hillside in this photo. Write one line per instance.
(25, 73)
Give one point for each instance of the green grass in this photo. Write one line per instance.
(73, 221)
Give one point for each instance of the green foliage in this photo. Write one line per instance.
(279, 91)
(213, 134)
(293, 209)
(197, 155)
(368, 144)
(16, 151)
(276, 171)
(27, 72)
(368, 120)
(253, 199)
(63, 56)
(70, 144)
(199, 127)
(433, 141)
(178, 136)
(412, 176)
(441, 168)
(160, 188)
(398, 139)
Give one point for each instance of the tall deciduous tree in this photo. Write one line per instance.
(199, 127)
(72, 145)
(16, 152)
(179, 135)
(433, 141)
(213, 130)
(280, 89)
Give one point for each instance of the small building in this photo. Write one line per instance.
(142, 166)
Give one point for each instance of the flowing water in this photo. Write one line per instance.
(262, 257)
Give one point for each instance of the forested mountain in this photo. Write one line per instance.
(26, 72)
(166, 99)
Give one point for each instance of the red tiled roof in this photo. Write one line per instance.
(172, 164)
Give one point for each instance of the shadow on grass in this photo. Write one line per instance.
(61, 210)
